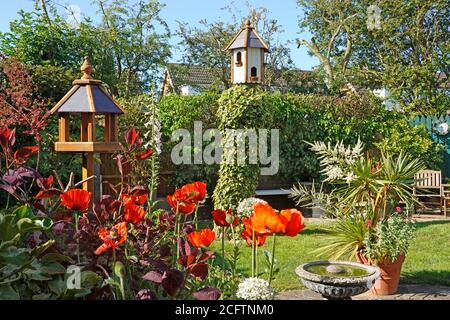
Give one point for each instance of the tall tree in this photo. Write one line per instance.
(204, 45)
(139, 49)
(401, 45)
(330, 22)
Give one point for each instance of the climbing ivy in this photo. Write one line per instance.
(240, 107)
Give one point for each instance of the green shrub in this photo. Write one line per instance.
(180, 112)
(240, 107)
(299, 118)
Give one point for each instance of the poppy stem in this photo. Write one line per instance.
(78, 239)
(223, 252)
(195, 218)
(233, 268)
(177, 231)
(253, 253)
(113, 267)
(273, 259)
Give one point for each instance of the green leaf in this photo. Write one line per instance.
(51, 257)
(23, 212)
(15, 256)
(42, 296)
(8, 230)
(8, 293)
(57, 285)
(90, 279)
(42, 248)
(53, 268)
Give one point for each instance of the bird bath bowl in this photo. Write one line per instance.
(337, 280)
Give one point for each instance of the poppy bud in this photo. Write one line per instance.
(119, 269)
(229, 218)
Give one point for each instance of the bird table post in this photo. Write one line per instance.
(87, 99)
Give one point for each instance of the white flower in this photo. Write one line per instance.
(337, 161)
(245, 207)
(255, 289)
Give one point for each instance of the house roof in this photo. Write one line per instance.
(178, 75)
(247, 37)
(87, 95)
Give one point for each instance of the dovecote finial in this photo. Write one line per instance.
(248, 23)
(86, 68)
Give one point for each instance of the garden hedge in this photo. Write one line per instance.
(300, 118)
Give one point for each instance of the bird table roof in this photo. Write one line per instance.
(87, 95)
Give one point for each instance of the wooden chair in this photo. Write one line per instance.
(428, 184)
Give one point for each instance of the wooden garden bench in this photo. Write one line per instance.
(428, 184)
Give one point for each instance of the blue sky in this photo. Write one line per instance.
(191, 11)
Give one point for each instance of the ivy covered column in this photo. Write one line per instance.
(242, 110)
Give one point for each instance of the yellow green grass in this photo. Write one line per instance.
(428, 260)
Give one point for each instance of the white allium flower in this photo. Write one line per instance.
(245, 207)
(255, 289)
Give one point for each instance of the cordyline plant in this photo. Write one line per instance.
(365, 193)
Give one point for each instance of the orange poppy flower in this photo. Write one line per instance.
(293, 221)
(247, 234)
(76, 199)
(194, 192)
(266, 220)
(133, 213)
(185, 207)
(138, 200)
(220, 217)
(112, 238)
(201, 238)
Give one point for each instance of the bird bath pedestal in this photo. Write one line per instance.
(337, 280)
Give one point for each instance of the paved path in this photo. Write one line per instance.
(405, 292)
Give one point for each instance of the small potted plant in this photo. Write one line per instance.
(369, 223)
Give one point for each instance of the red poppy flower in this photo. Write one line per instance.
(112, 238)
(220, 217)
(21, 155)
(266, 220)
(201, 238)
(185, 207)
(138, 200)
(143, 155)
(293, 221)
(247, 234)
(133, 213)
(194, 192)
(76, 199)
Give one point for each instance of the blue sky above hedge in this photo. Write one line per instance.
(191, 11)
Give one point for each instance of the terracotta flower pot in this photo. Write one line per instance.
(390, 275)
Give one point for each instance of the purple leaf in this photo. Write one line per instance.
(138, 191)
(8, 188)
(172, 281)
(207, 293)
(146, 294)
(199, 270)
(153, 276)
(123, 165)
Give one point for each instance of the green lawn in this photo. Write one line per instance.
(428, 261)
